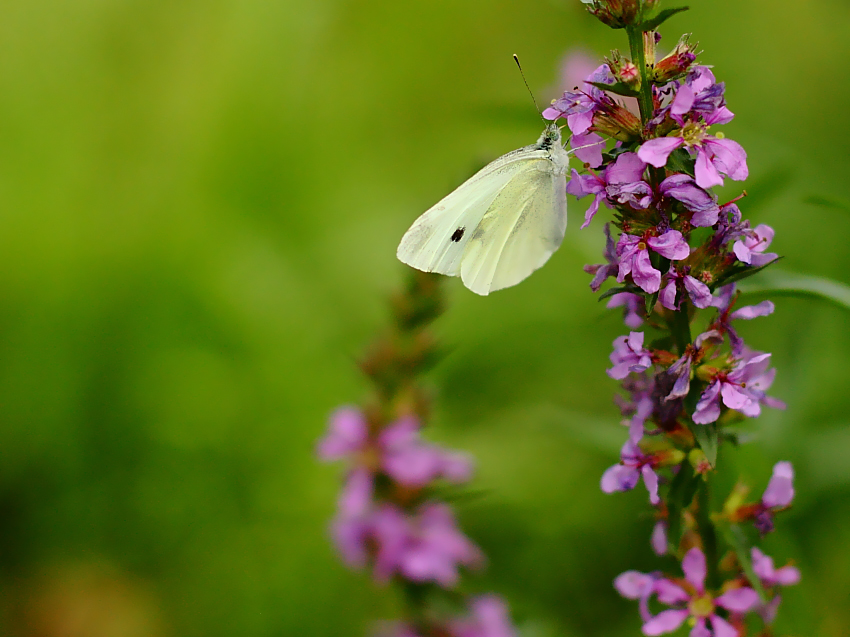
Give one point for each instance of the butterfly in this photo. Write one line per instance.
(500, 225)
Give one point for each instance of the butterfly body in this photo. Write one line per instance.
(500, 225)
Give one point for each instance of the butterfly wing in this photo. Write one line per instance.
(437, 240)
(522, 228)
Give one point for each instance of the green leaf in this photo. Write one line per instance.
(680, 161)
(742, 272)
(649, 303)
(828, 202)
(706, 437)
(681, 494)
(618, 88)
(629, 287)
(790, 284)
(654, 23)
(741, 545)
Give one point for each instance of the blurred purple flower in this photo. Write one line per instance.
(401, 454)
(770, 577)
(633, 306)
(489, 618)
(423, 547)
(639, 586)
(778, 495)
(658, 540)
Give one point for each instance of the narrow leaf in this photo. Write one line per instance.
(828, 202)
(617, 290)
(742, 272)
(681, 494)
(618, 88)
(706, 437)
(654, 23)
(739, 543)
(789, 284)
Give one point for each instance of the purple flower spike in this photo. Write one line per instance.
(629, 356)
(699, 605)
(634, 465)
(489, 618)
(751, 249)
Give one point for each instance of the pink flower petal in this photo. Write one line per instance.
(656, 151)
(693, 566)
(665, 622)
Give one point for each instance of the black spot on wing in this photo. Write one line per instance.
(458, 234)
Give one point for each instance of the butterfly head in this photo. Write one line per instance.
(550, 137)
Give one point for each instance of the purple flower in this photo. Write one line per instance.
(489, 618)
(700, 96)
(588, 148)
(577, 106)
(771, 577)
(621, 182)
(640, 407)
(715, 156)
(700, 605)
(698, 291)
(629, 356)
(658, 540)
(633, 254)
(683, 188)
(725, 300)
(633, 465)
(777, 496)
(633, 305)
(425, 547)
(680, 371)
(751, 249)
(602, 272)
(639, 586)
(741, 389)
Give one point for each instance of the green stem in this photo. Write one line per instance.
(708, 533)
(680, 328)
(639, 59)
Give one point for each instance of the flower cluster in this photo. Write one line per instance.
(390, 517)
(676, 257)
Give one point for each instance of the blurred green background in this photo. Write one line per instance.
(200, 204)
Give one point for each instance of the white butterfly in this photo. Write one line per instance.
(500, 225)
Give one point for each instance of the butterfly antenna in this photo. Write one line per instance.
(519, 66)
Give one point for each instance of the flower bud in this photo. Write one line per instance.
(618, 122)
(699, 461)
(624, 70)
(618, 14)
(677, 63)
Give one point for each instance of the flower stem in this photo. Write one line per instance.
(639, 58)
(680, 328)
(708, 534)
